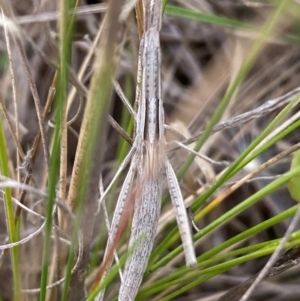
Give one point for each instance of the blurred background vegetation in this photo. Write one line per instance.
(219, 60)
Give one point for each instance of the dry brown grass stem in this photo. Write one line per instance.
(103, 73)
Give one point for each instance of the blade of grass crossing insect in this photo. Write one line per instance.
(108, 279)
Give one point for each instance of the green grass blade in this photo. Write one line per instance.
(65, 34)
(207, 18)
(239, 163)
(9, 214)
(90, 150)
(293, 184)
(225, 22)
(245, 68)
(231, 213)
(210, 258)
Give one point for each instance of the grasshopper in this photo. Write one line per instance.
(149, 162)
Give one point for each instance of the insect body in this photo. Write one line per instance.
(148, 163)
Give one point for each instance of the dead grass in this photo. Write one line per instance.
(199, 61)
